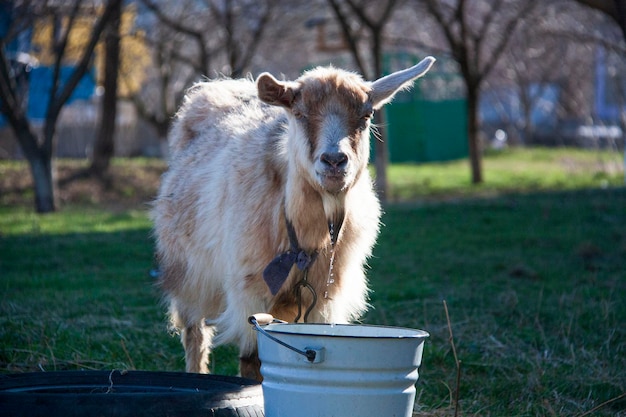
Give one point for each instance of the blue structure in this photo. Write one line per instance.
(610, 88)
(34, 81)
(40, 85)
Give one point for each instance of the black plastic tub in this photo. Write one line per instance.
(128, 393)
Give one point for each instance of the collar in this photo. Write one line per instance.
(277, 271)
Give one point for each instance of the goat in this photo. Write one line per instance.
(263, 176)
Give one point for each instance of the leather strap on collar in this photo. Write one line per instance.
(276, 272)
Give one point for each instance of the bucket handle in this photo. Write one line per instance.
(259, 319)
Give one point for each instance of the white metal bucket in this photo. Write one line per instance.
(356, 371)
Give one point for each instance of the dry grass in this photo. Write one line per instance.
(129, 184)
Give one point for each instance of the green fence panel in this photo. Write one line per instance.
(427, 131)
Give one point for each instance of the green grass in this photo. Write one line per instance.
(77, 294)
(536, 288)
(510, 170)
(532, 265)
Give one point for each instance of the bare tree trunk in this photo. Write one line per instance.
(104, 146)
(381, 158)
(42, 171)
(38, 157)
(381, 147)
(477, 51)
(475, 148)
(39, 152)
(40, 163)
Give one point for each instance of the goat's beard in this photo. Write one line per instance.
(333, 183)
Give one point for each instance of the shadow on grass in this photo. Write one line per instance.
(534, 283)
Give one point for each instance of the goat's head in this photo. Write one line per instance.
(330, 112)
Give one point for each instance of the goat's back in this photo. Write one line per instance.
(227, 163)
(218, 111)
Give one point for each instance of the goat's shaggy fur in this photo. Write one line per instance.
(245, 158)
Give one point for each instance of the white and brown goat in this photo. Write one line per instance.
(267, 182)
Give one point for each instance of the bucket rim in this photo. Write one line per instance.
(409, 333)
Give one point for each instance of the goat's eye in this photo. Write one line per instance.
(364, 119)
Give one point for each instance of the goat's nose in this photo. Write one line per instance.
(334, 159)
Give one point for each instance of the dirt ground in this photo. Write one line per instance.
(128, 184)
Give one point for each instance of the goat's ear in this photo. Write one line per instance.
(385, 88)
(275, 92)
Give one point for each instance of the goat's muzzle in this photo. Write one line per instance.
(336, 161)
(334, 170)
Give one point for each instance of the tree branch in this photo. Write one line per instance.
(8, 87)
(349, 36)
(373, 24)
(59, 46)
(203, 66)
(173, 23)
(81, 68)
(484, 29)
(454, 43)
(503, 41)
(256, 37)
